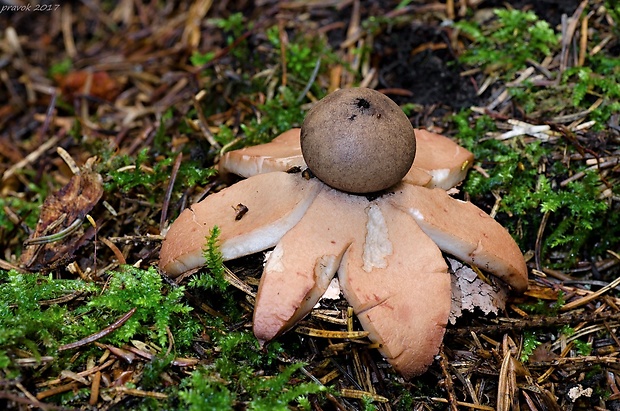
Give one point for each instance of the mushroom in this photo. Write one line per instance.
(384, 247)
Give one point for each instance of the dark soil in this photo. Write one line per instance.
(431, 75)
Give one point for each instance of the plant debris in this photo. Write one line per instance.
(62, 214)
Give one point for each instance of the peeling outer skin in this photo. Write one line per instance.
(275, 203)
(300, 268)
(463, 230)
(281, 154)
(404, 305)
(442, 158)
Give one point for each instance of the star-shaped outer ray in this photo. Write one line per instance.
(386, 250)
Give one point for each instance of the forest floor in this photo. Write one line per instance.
(114, 114)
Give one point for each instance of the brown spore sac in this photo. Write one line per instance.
(358, 140)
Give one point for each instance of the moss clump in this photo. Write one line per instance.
(509, 42)
(27, 322)
(527, 182)
(231, 382)
(128, 173)
(32, 322)
(158, 307)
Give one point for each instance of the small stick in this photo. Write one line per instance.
(443, 362)
(57, 390)
(283, 44)
(94, 337)
(464, 404)
(450, 9)
(141, 393)
(66, 157)
(310, 82)
(173, 177)
(539, 237)
(81, 374)
(583, 41)
(117, 253)
(94, 389)
(32, 156)
(588, 298)
(577, 176)
(137, 238)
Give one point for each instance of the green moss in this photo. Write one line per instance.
(527, 180)
(515, 37)
(200, 59)
(205, 392)
(61, 67)
(213, 279)
(27, 324)
(583, 348)
(544, 307)
(27, 210)
(599, 78)
(158, 307)
(147, 177)
(278, 115)
(530, 342)
(209, 388)
(504, 47)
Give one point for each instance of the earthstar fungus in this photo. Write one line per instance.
(385, 243)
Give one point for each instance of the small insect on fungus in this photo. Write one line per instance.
(307, 174)
(294, 169)
(240, 210)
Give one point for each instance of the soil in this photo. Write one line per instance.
(432, 75)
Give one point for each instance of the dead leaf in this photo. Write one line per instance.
(543, 353)
(55, 240)
(98, 84)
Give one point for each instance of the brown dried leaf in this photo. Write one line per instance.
(543, 353)
(98, 84)
(62, 209)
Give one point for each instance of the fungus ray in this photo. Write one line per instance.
(275, 203)
(301, 266)
(405, 305)
(465, 231)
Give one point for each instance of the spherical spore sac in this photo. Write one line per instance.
(358, 140)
